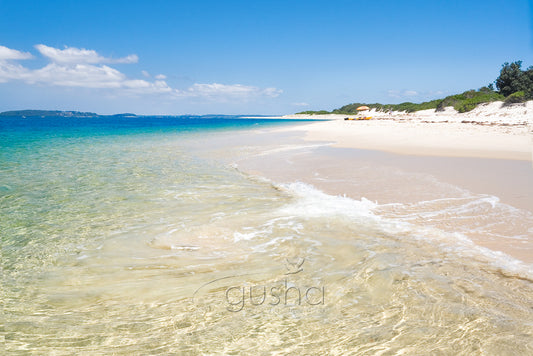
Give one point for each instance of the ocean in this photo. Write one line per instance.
(146, 235)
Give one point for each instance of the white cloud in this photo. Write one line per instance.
(272, 92)
(419, 95)
(300, 104)
(10, 71)
(96, 77)
(13, 54)
(402, 94)
(74, 67)
(79, 75)
(80, 55)
(393, 93)
(216, 90)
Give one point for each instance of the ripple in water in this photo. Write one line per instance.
(139, 246)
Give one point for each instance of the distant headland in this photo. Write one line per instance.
(57, 113)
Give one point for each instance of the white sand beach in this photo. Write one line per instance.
(394, 158)
(490, 131)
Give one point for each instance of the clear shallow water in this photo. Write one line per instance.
(139, 239)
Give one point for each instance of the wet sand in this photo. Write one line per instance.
(415, 182)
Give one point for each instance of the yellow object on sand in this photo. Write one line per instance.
(358, 118)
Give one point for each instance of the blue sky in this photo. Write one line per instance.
(252, 57)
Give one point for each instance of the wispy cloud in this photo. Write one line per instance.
(80, 55)
(398, 94)
(12, 71)
(13, 54)
(216, 90)
(300, 104)
(75, 67)
(412, 94)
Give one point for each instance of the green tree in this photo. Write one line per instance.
(529, 91)
(513, 79)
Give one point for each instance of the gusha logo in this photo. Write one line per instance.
(282, 292)
(289, 291)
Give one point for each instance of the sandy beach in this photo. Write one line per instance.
(489, 131)
(397, 158)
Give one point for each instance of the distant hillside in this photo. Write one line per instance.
(56, 113)
(47, 113)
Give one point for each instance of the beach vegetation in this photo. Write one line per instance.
(513, 79)
(517, 97)
(470, 99)
(513, 85)
(461, 102)
(405, 106)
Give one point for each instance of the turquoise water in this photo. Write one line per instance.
(137, 237)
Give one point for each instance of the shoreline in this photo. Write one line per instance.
(391, 176)
(487, 132)
(106, 229)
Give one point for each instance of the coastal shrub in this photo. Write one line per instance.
(466, 105)
(470, 99)
(351, 109)
(461, 102)
(450, 101)
(517, 97)
(469, 94)
(513, 79)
